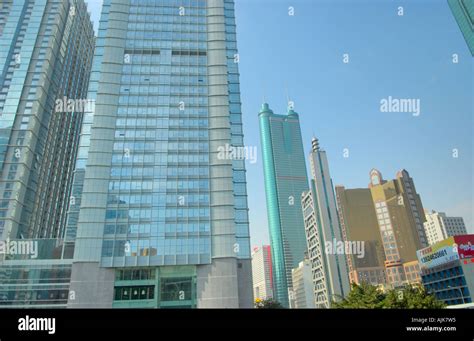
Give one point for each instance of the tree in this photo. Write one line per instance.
(411, 297)
(267, 304)
(362, 296)
(408, 297)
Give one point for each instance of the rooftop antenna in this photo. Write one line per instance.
(263, 89)
(287, 97)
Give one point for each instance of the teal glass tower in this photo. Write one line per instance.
(160, 215)
(46, 50)
(463, 11)
(286, 179)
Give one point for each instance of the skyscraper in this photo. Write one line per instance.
(285, 177)
(46, 50)
(399, 215)
(160, 216)
(262, 272)
(328, 266)
(359, 223)
(463, 11)
(438, 226)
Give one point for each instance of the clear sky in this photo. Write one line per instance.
(405, 57)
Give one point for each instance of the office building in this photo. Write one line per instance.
(447, 269)
(262, 273)
(439, 227)
(46, 50)
(160, 218)
(393, 208)
(359, 223)
(302, 295)
(285, 177)
(400, 216)
(324, 233)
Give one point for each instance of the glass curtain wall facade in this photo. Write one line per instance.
(285, 180)
(160, 217)
(46, 49)
(463, 12)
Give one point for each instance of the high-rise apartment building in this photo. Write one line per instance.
(396, 208)
(324, 233)
(285, 177)
(262, 272)
(439, 226)
(302, 294)
(46, 50)
(160, 217)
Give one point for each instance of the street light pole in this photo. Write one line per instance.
(462, 295)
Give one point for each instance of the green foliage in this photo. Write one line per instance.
(268, 304)
(408, 297)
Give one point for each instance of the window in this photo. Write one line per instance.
(176, 289)
(134, 293)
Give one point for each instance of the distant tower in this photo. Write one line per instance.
(285, 175)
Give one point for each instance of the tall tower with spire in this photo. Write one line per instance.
(285, 180)
(323, 232)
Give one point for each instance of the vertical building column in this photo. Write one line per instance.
(93, 286)
(217, 284)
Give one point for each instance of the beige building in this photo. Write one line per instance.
(302, 295)
(388, 217)
(262, 272)
(359, 223)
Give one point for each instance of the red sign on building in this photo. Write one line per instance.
(465, 245)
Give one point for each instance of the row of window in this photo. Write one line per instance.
(168, 184)
(162, 110)
(155, 247)
(171, 289)
(134, 274)
(194, 229)
(165, 44)
(154, 146)
(162, 90)
(167, 27)
(159, 212)
(160, 159)
(171, 3)
(167, 35)
(166, 79)
(178, 101)
(184, 199)
(174, 18)
(163, 122)
(183, 9)
(164, 171)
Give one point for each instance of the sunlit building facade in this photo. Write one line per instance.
(46, 50)
(160, 218)
(285, 177)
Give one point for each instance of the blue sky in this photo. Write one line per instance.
(407, 56)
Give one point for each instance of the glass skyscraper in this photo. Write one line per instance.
(160, 215)
(286, 179)
(46, 49)
(463, 11)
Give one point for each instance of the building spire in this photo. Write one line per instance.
(315, 144)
